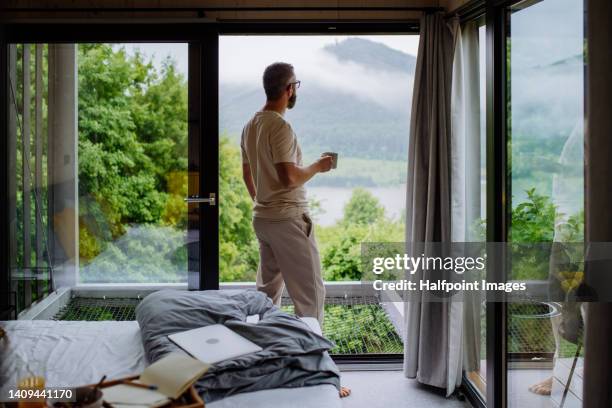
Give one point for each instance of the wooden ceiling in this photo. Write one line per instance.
(222, 10)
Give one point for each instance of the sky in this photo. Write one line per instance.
(242, 60)
(245, 57)
(540, 35)
(546, 32)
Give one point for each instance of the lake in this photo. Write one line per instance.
(333, 200)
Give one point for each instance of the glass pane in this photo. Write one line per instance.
(476, 343)
(99, 149)
(133, 152)
(355, 100)
(546, 134)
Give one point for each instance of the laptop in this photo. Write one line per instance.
(214, 343)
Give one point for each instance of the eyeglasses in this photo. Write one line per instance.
(296, 83)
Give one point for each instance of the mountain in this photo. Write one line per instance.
(353, 123)
(326, 120)
(373, 55)
(565, 65)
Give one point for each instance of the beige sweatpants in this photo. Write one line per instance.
(288, 255)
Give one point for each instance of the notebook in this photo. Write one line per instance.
(122, 395)
(172, 375)
(213, 343)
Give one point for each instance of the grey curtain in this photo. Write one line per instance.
(598, 220)
(429, 326)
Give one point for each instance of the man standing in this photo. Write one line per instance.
(274, 175)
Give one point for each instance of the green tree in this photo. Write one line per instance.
(132, 138)
(159, 109)
(363, 220)
(113, 165)
(132, 167)
(362, 208)
(534, 219)
(238, 249)
(341, 258)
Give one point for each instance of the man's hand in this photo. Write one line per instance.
(325, 163)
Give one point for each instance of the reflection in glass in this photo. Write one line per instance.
(98, 165)
(545, 131)
(470, 100)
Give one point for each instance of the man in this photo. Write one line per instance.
(274, 175)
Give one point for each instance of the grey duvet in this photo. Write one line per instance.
(292, 355)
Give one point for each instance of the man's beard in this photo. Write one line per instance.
(291, 102)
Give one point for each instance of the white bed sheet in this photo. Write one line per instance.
(71, 353)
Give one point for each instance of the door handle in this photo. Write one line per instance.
(196, 199)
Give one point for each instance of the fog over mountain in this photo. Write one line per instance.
(358, 103)
(356, 98)
(372, 55)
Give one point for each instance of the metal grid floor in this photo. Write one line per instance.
(357, 325)
(96, 309)
(530, 330)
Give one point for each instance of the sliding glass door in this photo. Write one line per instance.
(533, 86)
(110, 177)
(354, 99)
(473, 54)
(545, 133)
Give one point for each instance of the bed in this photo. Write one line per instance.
(71, 353)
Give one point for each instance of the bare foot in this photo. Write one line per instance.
(542, 388)
(344, 392)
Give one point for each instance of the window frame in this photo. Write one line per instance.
(495, 13)
(203, 38)
(357, 361)
(202, 47)
(497, 190)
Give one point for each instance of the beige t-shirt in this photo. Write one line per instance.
(268, 139)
